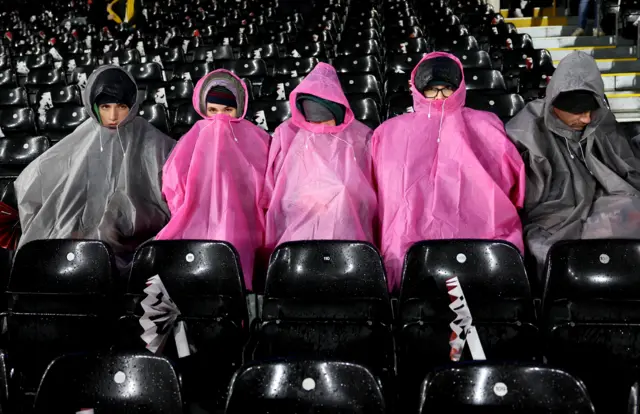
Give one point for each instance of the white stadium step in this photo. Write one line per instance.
(597, 53)
(622, 101)
(549, 31)
(585, 41)
(621, 81)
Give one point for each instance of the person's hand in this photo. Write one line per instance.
(109, 17)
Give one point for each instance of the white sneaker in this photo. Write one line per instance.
(598, 32)
(578, 32)
(518, 13)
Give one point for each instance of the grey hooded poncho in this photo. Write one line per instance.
(580, 184)
(98, 183)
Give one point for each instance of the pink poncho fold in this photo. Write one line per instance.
(214, 178)
(445, 172)
(319, 179)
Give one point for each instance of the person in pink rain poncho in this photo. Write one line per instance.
(319, 180)
(214, 178)
(444, 171)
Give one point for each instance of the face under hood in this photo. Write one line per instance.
(101, 80)
(455, 101)
(577, 71)
(322, 82)
(220, 77)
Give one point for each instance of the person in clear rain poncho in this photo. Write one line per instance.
(102, 181)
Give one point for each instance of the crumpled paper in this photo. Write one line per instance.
(462, 330)
(160, 320)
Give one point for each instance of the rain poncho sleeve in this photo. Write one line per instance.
(445, 172)
(580, 184)
(97, 183)
(214, 178)
(319, 179)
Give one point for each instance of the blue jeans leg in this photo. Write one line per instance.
(583, 9)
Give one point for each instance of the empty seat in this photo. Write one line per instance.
(13, 97)
(45, 77)
(458, 44)
(304, 387)
(16, 153)
(308, 49)
(590, 313)
(264, 51)
(365, 110)
(502, 310)
(7, 78)
(505, 106)
(504, 388)
(403, 63)
(355, 65)
(17, 121)
(484, 80)
(204, 279)
(361, 86)
(270, 114)
(122, 57)
(170, 94)
(61, 95)
(192, 71)
(185, 116)
(400, 104)
(156, 115)
(359, 47)
(80, 75)
(35, 61)
(294, 67)
(143, 383)
(212, 53)
(253, 69)
(326, 299)
(169, 56)
(418, 45)
(60, 302)
(278, 89)
(61, 121)
(146, 73)
(474, 59)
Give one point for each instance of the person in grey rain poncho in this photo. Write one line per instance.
(583, 177)
(102, 181)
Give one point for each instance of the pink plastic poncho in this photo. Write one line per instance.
(319, 178)
(445, 172)
(214, 178)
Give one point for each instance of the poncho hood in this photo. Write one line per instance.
(221, 77)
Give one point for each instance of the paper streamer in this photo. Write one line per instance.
(462, 329)
(160, 320)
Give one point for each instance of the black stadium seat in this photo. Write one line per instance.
(17, 121)
(156, 115)
(358, 65)
(185, 116)
(270, 114)
(13, 97)
(62, 95)
(294, 67)
(500, 387)
(305, 387)
(359, 47)
(276, 88)
(366, 111)
(205, 281)
(505, 106)
(193, 71)
(146, 73)
(361, 86)
(484, 80)
(111, 383)
(7, 78)
(62, 121)
(45, 77)
(17, 152)
(212, 53)
(474, 59)
(61, 301)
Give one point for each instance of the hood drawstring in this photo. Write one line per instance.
(584, 158)
(232, 132)
(120, 139)
(429, 115)
(100, 131)
(566, 141)
(441, 119)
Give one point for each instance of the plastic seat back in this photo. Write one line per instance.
(270, 114)
(484, 80)
(60, 95)
(45, 77)
(16, 153)
(192, 71)
(124, 382)
(505, 106)
(366, 111)
(17, 121)
(62, 121)
(361, 86)
(485, 387)
(358, 65)
(14, 97)
(474, 59)
(185, 116)
(146, 73)
(7, 78)
(305, 386)
(278, 89)
(294, 67)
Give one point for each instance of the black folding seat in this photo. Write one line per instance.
(63, 120)
(205, 281)
(505, 388)
(304, 387)
(365, 110)
(13, 97)
(503, 311)
(444, 21)
(118, 382)
(262, 51)
(60, 301)
(362, 24)
(280, 27)
(16, 153)
(80, 75)
(453, 32)
(308, 49)
(146, 73)
(361, 86)
(212, 53)
(398, 104)
(632, 129)
(505, 106)
(192, 71)
(253, 69)
(474, 59)
(8, 78)
(5, 61)
(403, 63)
(490, 81)
(122, 57)
(43, 61)
(359, 47)
(518, 41)
(169, 56)
(61, 95)
(184, 117)
(360, 34)
(326, 299)
(358, 65)
(156, 115)
(591, 318)
(403, 34)
(17, 122)
(294, 67)
(410, 46)
(270, 114)
(38, 78)
(395, 24)
(459, 44)
(173, 93)
(278, 89)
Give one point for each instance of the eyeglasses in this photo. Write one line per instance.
(433, 92)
